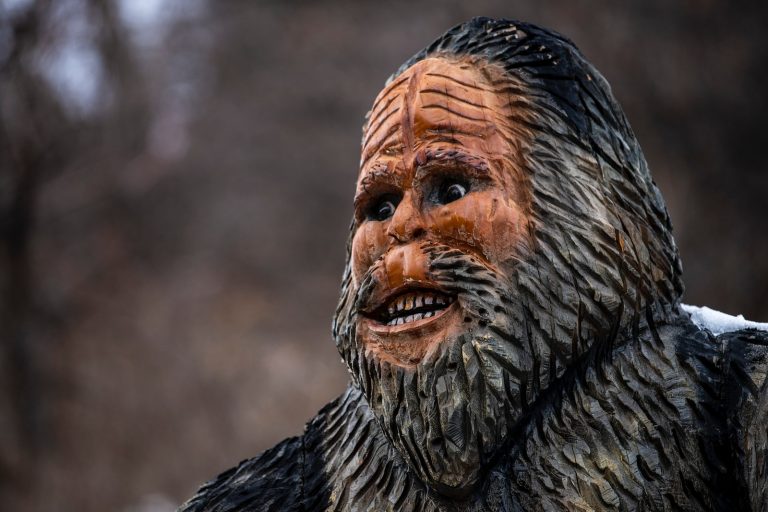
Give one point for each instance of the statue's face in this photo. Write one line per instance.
(435, 169)
(428, 321)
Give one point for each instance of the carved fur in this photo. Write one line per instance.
(578, 383)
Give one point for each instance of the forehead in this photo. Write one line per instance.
(437, 102)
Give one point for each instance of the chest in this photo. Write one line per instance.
(643, 432)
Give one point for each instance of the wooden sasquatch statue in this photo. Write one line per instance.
(510, 312)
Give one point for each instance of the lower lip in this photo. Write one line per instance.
(415, 325)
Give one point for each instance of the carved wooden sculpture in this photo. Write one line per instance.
(510, 312)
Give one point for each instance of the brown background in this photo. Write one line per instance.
(175, 200)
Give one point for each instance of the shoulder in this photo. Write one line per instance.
(289, 476)
(293, 474)
(746, 398)
(270, 481)
(745, 365)
(733, 353)
(726, 360)
(746, 353)
(738, 346)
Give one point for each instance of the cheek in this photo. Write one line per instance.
(485, 222)
(368, 244)
(506, 231)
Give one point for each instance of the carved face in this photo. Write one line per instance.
(437, 169)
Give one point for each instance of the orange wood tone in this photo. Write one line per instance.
(442, 118)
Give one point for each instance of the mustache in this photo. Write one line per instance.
(473, 281)
(493, 307)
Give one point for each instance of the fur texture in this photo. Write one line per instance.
(578, 383)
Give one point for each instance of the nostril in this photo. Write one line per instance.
(405, 233)
(396, 236)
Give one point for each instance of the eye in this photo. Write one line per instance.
(451, 191)
(383, 208)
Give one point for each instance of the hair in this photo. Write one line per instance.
(602, 254)
(577, 122)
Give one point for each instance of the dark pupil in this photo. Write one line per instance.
(453, 192)
(385, 210)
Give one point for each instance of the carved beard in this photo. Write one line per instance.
(452, 413)
(458, 409)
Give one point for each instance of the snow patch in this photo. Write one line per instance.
(718, 322)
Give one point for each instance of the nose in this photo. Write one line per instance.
(407, 223)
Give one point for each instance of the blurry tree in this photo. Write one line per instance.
(41, 134)
(34, 146)
(175, 187)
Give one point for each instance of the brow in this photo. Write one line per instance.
(478, 131)
(451, 158)
(378, 175)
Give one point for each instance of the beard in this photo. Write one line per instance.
(451, 414)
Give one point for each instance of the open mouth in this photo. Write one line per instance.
(411, 306)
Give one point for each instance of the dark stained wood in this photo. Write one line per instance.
(545, 363)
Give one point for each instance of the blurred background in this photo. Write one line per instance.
(176, 181)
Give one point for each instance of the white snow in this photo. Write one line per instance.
(718, 322)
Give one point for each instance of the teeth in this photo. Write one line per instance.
(402, 310)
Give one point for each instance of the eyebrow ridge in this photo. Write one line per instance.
(436, 157)
(378, 174)
(443, 129)
(380, 145)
